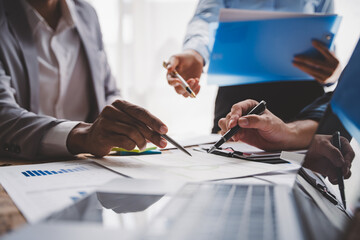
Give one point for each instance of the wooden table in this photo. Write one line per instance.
(10, 216)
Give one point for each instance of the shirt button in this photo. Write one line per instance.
(17, 149)
(6, 147)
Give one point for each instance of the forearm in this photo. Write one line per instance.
(21, 131)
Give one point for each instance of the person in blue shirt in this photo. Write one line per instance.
(285, 99)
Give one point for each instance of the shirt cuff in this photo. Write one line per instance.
(193, 44)
(54, 141)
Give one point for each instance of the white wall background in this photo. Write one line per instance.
(140, 34)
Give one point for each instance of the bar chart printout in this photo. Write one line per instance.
(39, 173)
(39, 190)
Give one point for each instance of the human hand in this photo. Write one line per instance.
(267, 131)
(189, 65)
(321, 68)
(121, 124)
(325, 158)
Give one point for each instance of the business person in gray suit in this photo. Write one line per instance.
(57, 94)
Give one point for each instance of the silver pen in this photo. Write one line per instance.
(184, 84)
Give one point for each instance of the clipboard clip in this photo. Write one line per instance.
(321, 187)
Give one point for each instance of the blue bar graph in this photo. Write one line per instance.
(42, 173)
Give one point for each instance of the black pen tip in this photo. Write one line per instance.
(211, 149)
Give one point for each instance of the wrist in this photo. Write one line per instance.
(300, 134)
(197, 56)
(76, 141)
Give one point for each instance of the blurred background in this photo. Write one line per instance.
(140, 34)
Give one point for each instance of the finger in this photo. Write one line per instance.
(333, 180)
(222, 124)
(174, 82)
(117, 115)
(142, 115)
(238, 110)
(314, 63)
(192, 83)
(243, 107)
(347, 151)
(196, 89)
(173, 63)
(130, 131)
(348, 174)
(233, 121)
(323, 50)
(122, 141)
(260, 122)
(186, 94)
(180, 90)
(316, 73)
(333, 154)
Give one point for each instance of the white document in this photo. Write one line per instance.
(176, 165)
(237, 15)
(293, 157)
(194, 141)
(41, 189)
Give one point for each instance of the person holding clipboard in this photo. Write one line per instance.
(285, 99)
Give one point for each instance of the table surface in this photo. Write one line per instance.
(11, 218)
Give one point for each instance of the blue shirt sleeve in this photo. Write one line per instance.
(315, 111)
(197, 35)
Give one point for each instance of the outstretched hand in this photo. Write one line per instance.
(189, 65)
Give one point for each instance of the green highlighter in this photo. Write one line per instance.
(124, 152)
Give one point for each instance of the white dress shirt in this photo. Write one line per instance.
(63, 75)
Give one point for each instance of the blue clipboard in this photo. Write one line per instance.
(346, 98)
(256, 51)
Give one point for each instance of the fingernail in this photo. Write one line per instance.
(231, 123)
(143, 148)
(243, 122)
(163, 129)
(163, 143)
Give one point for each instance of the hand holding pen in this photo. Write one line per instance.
(258, 110)
(189, 64)
(181, 87)
(265, 131)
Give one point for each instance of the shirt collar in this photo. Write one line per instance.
(67, 14)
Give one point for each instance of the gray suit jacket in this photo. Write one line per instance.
(21, 128)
